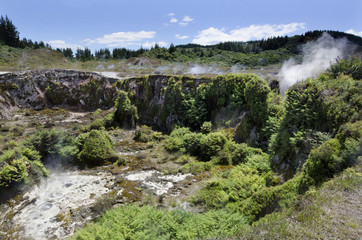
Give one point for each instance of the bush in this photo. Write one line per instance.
(206, 127)
(176, 139)
(322, 163)
(133, 222)
(20, 165)
(256, 95)
(96, 124)
(50, 142)
(210, 145)
(126, 113)
(145, 134)
(96, 148)
(348, 66)
(233, 187)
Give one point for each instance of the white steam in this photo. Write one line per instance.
(317, 57)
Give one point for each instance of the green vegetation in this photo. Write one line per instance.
(125, 114)
(133, 222)
(24, 54)
(95, 148)
(277, 165)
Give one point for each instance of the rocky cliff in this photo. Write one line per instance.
(68, 89)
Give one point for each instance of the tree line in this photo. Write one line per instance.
(9, 35)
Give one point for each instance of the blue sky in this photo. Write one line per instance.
(124, 23)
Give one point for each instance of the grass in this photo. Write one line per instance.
(331, 212)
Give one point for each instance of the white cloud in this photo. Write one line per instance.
(187, 19)
(184, 24)
(181, 37)
(173, 20)
(214, 35)
(63, 44)
(171, 14)
(152, 44)
(351, 31)
(121, 38)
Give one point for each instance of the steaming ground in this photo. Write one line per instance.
(317, 57)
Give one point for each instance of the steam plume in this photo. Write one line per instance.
(317, 57)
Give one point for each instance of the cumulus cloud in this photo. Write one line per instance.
(352, 31)
(214, 35)
(178, 36)
(151, 44)
(121, 38)
(63, 44)
(173, 20)
(171, 14)
(186, 20)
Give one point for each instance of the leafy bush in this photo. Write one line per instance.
(20, 165)
(322, 163)
(348, 66)
(210, 145)
(229, 190)
(256, 95)
(145, 134)
(206, 127)
(126, 113)
(51, 142)
(96, 148)
(176, 139)
(97, 124)
(133, 222)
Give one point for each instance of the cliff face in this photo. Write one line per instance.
(159, 98)
(68, 89)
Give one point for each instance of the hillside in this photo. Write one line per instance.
(228, 56)
(180, 157)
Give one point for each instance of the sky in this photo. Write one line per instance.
(134, 23)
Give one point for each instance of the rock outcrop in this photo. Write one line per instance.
(68, 89)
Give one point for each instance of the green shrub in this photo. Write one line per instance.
(96, 124)
(210, 145)
(49, 142)
(145, 134)
(176, 139)
(233, 187)
(348, 66)
(20, 165)
(322, 163)
(256, 95)
(126, 113)
(206, 127)
(133, 222)
(96, 148)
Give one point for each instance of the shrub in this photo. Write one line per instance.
(49, 142)
(348, 66)
(206, 127)
(210, 145)
(236, 185)
(97, 148)
(322, 163)
(176, 139)
(133, 222)
(96, 124)
(126, 113)
(256, 95)
(145, 134)
(20, 165)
